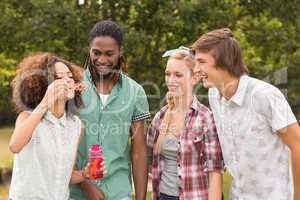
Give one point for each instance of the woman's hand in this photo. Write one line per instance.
(57, 90)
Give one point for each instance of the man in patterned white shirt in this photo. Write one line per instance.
(256, 125)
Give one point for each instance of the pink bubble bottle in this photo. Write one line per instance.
(95, 159)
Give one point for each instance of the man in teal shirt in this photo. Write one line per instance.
(114, 113)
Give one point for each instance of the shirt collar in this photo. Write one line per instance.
(51, 118)
(194, 104)
(239, 95)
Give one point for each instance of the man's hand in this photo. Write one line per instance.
(92, 192)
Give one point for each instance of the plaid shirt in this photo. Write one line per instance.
(199, 153)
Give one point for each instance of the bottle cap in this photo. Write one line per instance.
(95, 147)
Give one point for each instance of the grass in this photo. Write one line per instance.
(226, 185)
(3, 191)
(6, 158)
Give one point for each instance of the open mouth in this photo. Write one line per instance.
(172, 87)
(102, 67)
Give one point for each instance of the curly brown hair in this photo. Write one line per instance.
(34, 74)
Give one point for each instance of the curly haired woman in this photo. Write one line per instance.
(46, 91)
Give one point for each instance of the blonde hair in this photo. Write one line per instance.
(165, 124)
(187, 57)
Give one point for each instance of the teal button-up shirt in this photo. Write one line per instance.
(109, 125)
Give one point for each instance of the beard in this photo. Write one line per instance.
(113, 69)
(107, 76)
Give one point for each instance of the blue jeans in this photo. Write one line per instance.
(167, 197)
(127, 197)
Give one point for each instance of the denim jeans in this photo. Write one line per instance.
(167, 197)
(127, 197)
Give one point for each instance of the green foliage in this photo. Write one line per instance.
(268, 35)
(293, 85)
(7, 70)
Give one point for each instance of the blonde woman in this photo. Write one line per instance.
(184, 151)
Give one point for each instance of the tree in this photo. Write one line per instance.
(268, 36)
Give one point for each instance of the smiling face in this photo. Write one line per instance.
(178, 77)
(63, 72)
(205, 66)
(104, 54)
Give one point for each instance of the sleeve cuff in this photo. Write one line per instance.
(213, 165)
(141, 117)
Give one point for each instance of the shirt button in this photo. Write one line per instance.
(234, 159)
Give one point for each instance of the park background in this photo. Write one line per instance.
(269, 33)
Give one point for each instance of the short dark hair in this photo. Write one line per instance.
(102, 29)
(34, 74)
(225, 49)
(107, 28)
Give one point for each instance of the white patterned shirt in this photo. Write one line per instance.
(43, 168)
(254, 155)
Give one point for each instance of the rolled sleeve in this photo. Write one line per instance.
(151, 134)
(281, 112)
(272, 104)
(141, 111)
(213, 153)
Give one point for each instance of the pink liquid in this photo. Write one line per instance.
(95, 159)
